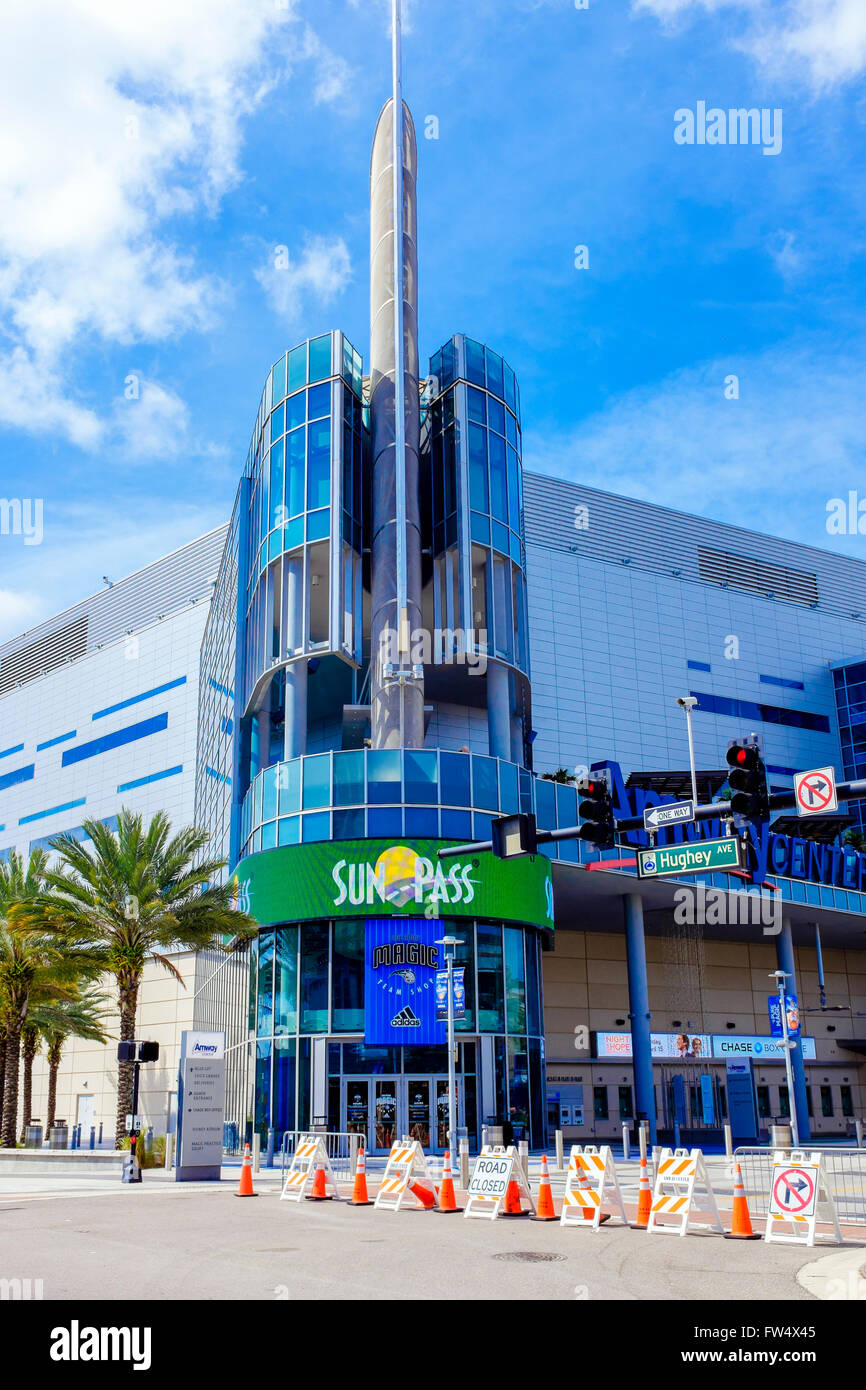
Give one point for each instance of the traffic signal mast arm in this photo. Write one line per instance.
(779, 801)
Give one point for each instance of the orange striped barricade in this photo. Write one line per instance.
(591, 1182)
(406, 1173)
(682, 1182)
(799, 1196)
(311, 1153)
(496, 1170)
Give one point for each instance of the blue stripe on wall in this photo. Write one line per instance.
(76, 831)
(115, 740)
(61, 738)
(154, 777)
(7, 752)
(136, 699)
(21, 774)
(52, 811)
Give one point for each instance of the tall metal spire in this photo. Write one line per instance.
(399, 372)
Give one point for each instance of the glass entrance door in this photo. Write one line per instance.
(385, 1129)
(417, 1090)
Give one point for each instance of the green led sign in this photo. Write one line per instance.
(381, 878)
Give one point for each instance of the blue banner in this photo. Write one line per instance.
(442, 994)
(401, 961)
(708, 1104)
(792, 1009)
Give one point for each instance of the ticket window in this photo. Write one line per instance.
(784, 1103)
(847, 1097)
(626, 1104)
(763, 1093)
(599, 1103)
(827, 1102)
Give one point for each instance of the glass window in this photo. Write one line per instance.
(509, 800)
(454, 775)
(478, 493)
(362, 1058)
(420, 775)
(278, 422)
(385, 821)
(498, 486)
(456, 825)
(763, 1093)
(318, 525)
(784, 1103)
(474, 362)
(599, 1102)
(847, 1099)
(827, 1102)
(422, 821)
(479, 527)
(476, 404)
(314, 977)
(289, 783)
(626, 1108)
(349, 825)
(317, 781)
(319, 583)
(495, 415)
(262, 1117)
(320, 357)
(265, 993)
(316, 826)
(284, 1086)
(491, 1014)
(290, 830)
(319, 464)
(347, 977)
(515, 981)
(297, 367)
(545, 804)
(319, 401)
(533, 984)
(494, 372)
(269, 793)
(510, 391)
(295, 473)
(484, 788)
(286, 981)
(348, 778)
(279, 380)
(383, 776)
(518, 1087)
(296, 410)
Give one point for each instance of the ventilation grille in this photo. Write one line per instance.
(64, 644)
(757, 576)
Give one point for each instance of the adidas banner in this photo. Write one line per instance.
(401, 964)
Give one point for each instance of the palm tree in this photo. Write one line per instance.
(29, 1049)
(80, 1017)
(561, 775)
(136, 893)
(33, 964)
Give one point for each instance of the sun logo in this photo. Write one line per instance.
(396, 869)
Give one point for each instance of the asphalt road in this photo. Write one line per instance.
(206, 1243)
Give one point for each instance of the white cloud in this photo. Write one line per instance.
(321, 272)
(820, 42)
(792, 441)
(150, 421)
(113, 119)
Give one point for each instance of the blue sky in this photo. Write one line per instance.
(154, 157)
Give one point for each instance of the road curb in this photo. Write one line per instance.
(836, 1277)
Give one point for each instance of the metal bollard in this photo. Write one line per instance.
(99, 1141)
(93, 1136)
(257, 1152)
(269, 1152)
(642, 1133)
(523, 1155)
(168, 1148)
(729, 1144)
(626, 1137)
(464, 1163)
(484, 1140)
(560, 1152)
(858, 1130)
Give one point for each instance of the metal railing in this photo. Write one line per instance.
(342, 1150)
(845, 1170)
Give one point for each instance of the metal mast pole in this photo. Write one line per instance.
(399, 347)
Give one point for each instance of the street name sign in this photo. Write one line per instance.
(677, 813)
(698, 857)
(816, 792)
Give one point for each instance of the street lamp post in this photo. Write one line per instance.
(450, 943)
(688, 702)
(780, 976)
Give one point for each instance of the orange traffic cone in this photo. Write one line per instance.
(545, 1196)
(446, 1191)
(645, 1197)
(512, 1206)
(359, 1191)
(425, 1195)
(245, 1186)
(741, 1224)
(319, 1192)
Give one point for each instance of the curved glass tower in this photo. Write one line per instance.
(366, 699)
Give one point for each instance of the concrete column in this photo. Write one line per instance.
(785, 960)
(295, 733)
(498, 712)
(639, 1013)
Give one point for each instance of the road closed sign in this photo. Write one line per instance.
(816, 791)
(491, 1175)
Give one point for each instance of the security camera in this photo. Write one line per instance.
(686, 701)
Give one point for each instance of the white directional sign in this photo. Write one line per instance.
(816, 791)
(678, 813)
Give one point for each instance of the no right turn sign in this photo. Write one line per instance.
(816, 791)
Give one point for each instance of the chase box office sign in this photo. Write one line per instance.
(362, 878)
(401, 960)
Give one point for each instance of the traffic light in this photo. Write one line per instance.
(513, 835)
(748, 781)
(596, 812)
(148, 1052)
(126, 1051)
